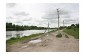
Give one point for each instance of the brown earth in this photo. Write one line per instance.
(49, 43)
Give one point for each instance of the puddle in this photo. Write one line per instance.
(35, 41)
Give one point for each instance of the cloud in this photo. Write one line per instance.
(53, 14)
(63, 12)
(29, 19)
(65, 16)
(21, 14)
(18, 22)
(42, 13)
(11, 5)
(9, 17)
(69, 21)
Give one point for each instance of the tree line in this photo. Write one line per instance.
(11, 27)
(72, 26)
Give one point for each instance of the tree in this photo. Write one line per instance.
(72, 25)
(77, 25)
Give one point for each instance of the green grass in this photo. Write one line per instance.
(59, 35)
(73, 32)
(24, 38)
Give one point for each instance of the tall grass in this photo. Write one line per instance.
(73, 32)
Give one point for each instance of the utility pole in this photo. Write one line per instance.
(58, 19)
(48, 29)
(48, 26)
(63, 23)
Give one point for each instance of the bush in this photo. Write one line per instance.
(59, 35)
(66, 36)
(13, 38)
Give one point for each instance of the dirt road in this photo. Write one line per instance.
(49, 43)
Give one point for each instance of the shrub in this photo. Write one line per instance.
(13, 38)
(59, 35)
(66, 36)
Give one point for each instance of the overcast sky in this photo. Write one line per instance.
(40, 14)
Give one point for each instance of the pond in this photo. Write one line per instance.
(10, 34)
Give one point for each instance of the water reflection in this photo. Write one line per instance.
(10, 34)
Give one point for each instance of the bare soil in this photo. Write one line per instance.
(49, 43)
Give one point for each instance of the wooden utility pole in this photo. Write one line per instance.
(48, 29)
(48, 26)
(58, 19)
(63, 23)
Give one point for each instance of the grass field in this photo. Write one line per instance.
(73, 32)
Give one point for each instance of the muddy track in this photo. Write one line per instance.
(49, 43)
